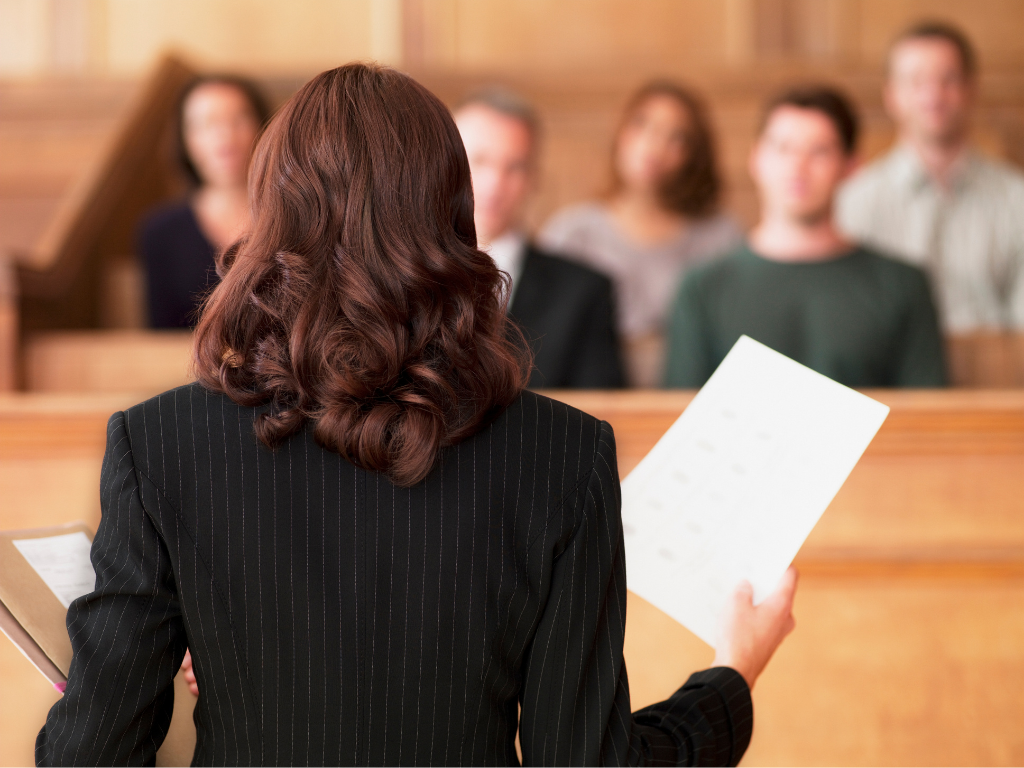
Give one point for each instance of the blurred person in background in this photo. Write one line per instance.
(800, 286)
(218, 121)
(660, 218)
(564, 309)
(933, 200)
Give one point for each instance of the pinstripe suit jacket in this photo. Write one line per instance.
(335, 618)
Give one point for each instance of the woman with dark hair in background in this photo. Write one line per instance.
(661, 217)
(219, 118)
(377, 544)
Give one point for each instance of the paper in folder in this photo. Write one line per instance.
(735, 486)
(41, 572)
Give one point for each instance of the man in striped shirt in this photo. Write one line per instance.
(933, 200)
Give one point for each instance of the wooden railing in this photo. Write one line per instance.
(908, 644)
(152, 361)
(910, 611)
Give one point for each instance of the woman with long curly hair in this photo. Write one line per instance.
(377, 545)
(660, 216)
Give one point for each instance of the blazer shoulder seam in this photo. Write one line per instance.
(582, 481)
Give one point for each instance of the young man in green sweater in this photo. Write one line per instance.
(798, 285)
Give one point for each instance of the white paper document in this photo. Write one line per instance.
(62, 562)
(734, 487)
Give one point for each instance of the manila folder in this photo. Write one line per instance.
(41, 571)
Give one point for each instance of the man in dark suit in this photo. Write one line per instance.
(565, 310)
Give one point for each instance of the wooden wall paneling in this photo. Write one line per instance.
(50, 133)
(25, 698)
(123, 37)
(926, 422)
(806, 29)
(776, 33)
(994, 26)
(255, 36)
(986, 359)
(50, 454)
(98, 190)
(569, 36)
(64, 267)
(670, 37)
(107, 361)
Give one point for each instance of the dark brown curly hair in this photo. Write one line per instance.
(696, 188)
(358, 300)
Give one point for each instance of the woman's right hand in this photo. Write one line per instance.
(189, 673)
(750, 634)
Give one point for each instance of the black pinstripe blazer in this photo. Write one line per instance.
(335, 618)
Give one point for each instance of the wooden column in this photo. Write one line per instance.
(8, 327)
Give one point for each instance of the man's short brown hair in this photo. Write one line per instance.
(941, 30)
(825, 99)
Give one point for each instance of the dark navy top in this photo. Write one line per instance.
(179, 263)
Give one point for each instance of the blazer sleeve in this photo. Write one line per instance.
(575, 695)
(127, 635)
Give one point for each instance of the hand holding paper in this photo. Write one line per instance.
(737, 483)
(752, 633)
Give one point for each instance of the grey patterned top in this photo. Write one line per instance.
(646, 277)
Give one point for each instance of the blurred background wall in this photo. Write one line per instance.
(120, 38)
(577, 58)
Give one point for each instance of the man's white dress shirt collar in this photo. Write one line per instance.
(509, 253)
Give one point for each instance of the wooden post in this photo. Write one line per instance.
(8, 327)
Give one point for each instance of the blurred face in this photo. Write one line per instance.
(500, 151)
(219, 129)
(798, 163)
(653, 144)
(928, 94)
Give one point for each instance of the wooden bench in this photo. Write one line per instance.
(145, 362)
(80, 163)
(910, 612)
(106, 361)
